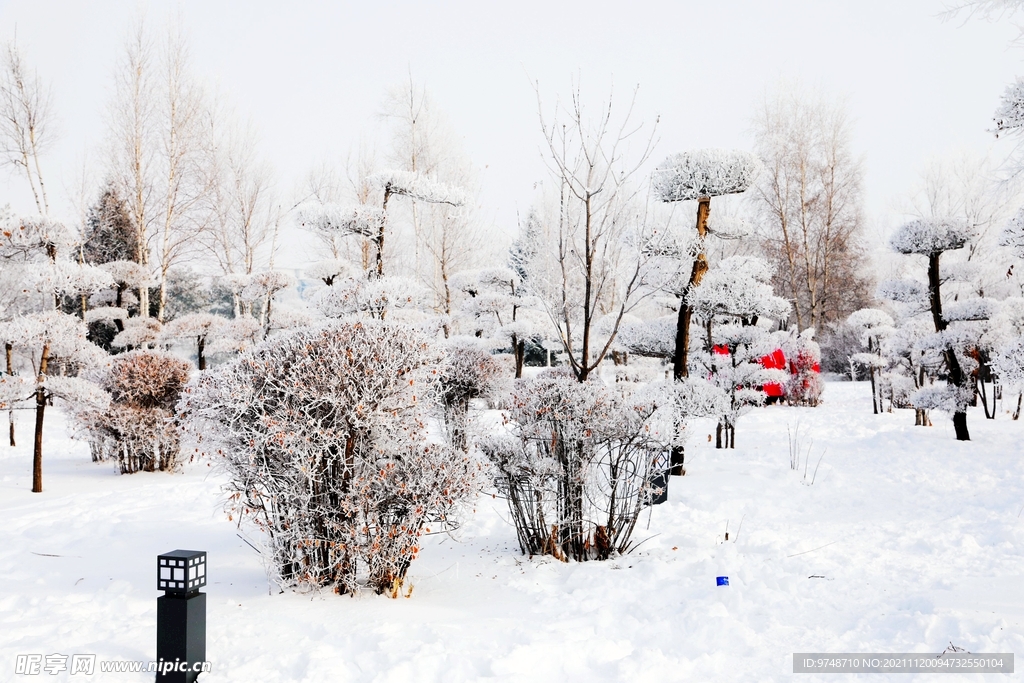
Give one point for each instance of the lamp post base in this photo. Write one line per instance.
(180, 637)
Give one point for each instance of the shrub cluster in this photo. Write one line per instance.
(138, 428)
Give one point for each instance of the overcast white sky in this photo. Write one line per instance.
(311, 75)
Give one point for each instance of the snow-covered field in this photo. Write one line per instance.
(907, 541)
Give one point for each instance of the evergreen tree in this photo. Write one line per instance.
(109, 233)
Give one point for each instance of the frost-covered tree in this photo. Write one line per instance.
(873, 326)
(260, 291)
(804, 385)
(467, 372)
(26, 121)
(810, 205)
(33, 253)
(911, 363)
(596, 268)
(111, 307)
(374, 297)
(1008, 355)
(440, 238)
(323, 435)
(199, 329)
(700, 175)
(734, 301)
(54, 342)
(932, 238)
(372, 222)
(496, 307)
(158, 153)
(245, 213)
(108, 233)
(330, 270)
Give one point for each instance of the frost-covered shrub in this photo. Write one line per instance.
(654, 338)
(576, 468)
(374, 297)
(323, 433)
(138, 427)
(467, 372)
(804, 386)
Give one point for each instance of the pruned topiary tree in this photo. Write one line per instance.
(932, 238)
(699, 175)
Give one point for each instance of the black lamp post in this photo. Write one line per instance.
(180, 616)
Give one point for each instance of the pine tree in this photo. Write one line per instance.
(109, 234)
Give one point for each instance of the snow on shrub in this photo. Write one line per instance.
(138, 333)
(323, 433)
(374, 297)
(973, 309)
(654, 338)
(804, 386)
(467, 372)
(577, 465)
(137, 428)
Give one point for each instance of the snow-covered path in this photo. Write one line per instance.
(907, 541)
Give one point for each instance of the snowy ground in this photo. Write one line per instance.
(907, 541)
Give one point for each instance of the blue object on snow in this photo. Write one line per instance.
(722, 580)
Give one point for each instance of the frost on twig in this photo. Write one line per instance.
(419, 187)
(358, 219)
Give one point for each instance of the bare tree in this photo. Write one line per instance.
(157, 153)
(599, 271)
(810, 201)
(132, 154)
(186, 178)
(26, 121)
(243, 203)
(419, 138)
(445, 239)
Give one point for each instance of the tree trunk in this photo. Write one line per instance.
(681, 359)
(1016, 413)
(960, 427)
(37, 454)
(379, 239)
(201, 352)
(871, 372)
(956, 374)
(9, 352)
(161, 303)
(700, 266)
(983, 394)
(519, 347)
